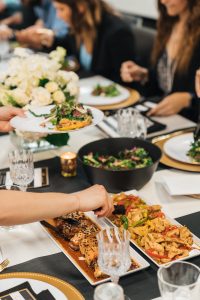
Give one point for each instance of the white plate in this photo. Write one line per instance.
(37, 286)
(192, 253)
(134, 255)
(178, 146)
(32, 124)
(87, 86)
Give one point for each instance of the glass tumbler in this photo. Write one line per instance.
(131, 123)
(21, 168)
(179, 281)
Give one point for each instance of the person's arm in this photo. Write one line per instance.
(6, 114)
(197, 83)
(20, 208)
(172, 104)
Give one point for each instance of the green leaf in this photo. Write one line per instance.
(43, 82)
(58, 139)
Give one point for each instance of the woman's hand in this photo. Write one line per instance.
(130, 71)
(171, 104)
(6, 114)
(97, 199)
(46, 37)
(197, 83)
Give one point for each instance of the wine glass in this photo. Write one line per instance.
(113, 252)
(179, 281)
(21, 168)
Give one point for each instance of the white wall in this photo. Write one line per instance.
(145, 8)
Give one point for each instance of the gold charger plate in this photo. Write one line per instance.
(134, 97)
(168, 161)
(67, 289)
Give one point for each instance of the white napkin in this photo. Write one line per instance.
(182, 183)
(26, 242)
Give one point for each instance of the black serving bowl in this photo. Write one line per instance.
(116, 181)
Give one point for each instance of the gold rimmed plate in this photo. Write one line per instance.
(169, 161)
(66, 290)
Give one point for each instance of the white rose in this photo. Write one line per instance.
(51, 86)
(72, 88)
(64, 77)
(58, 97)
(20, 96)
(40, 97)
(4, 97)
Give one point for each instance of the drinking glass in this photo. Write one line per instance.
(131, 123)
(179, 281)
(113, 252)
(21, 168)
(11, 188)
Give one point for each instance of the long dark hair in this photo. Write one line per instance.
(165, 25)
(87, 22)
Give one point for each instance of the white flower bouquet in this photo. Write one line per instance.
(37, 80)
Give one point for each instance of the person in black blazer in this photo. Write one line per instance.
(98, 37)
(175, 59)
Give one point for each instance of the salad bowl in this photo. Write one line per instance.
(116, 179)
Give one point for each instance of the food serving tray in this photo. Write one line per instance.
(74, 256)
(196, 244)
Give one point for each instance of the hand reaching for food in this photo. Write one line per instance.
(97, 199)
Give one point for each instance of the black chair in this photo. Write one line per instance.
(144, 39)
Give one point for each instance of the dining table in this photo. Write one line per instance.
(30, 249)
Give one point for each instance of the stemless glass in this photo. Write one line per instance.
(131, 123)
(113, 252)
(11, 188)
(21, 168)
(179, 281)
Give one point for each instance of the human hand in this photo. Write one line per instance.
(6, 114)
(5, 33)
(130, 71)
(197, 83)
(97, 199)
(46, 36)
(171, 104)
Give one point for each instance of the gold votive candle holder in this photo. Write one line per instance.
(68, 162)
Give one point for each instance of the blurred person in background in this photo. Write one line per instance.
(175, 59)
(98, 38)
(198, 83)
(46, 205)
(35, 15)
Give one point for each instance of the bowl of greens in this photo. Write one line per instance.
(120, 164)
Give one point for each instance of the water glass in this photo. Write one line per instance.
(179, 281)
(109, 291)
(11, 188)
(131, 123)
(113, 252)
(21, 168)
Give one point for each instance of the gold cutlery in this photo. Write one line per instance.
(4, 264)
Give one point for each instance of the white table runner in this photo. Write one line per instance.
(26, 242)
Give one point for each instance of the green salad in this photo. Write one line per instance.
(194, 151)
(106, 91)
(125, 160)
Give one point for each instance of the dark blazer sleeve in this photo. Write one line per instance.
(120, 48)
(68, 42)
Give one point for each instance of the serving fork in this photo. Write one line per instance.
(4, 264)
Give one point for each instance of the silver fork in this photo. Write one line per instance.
(4, 264)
